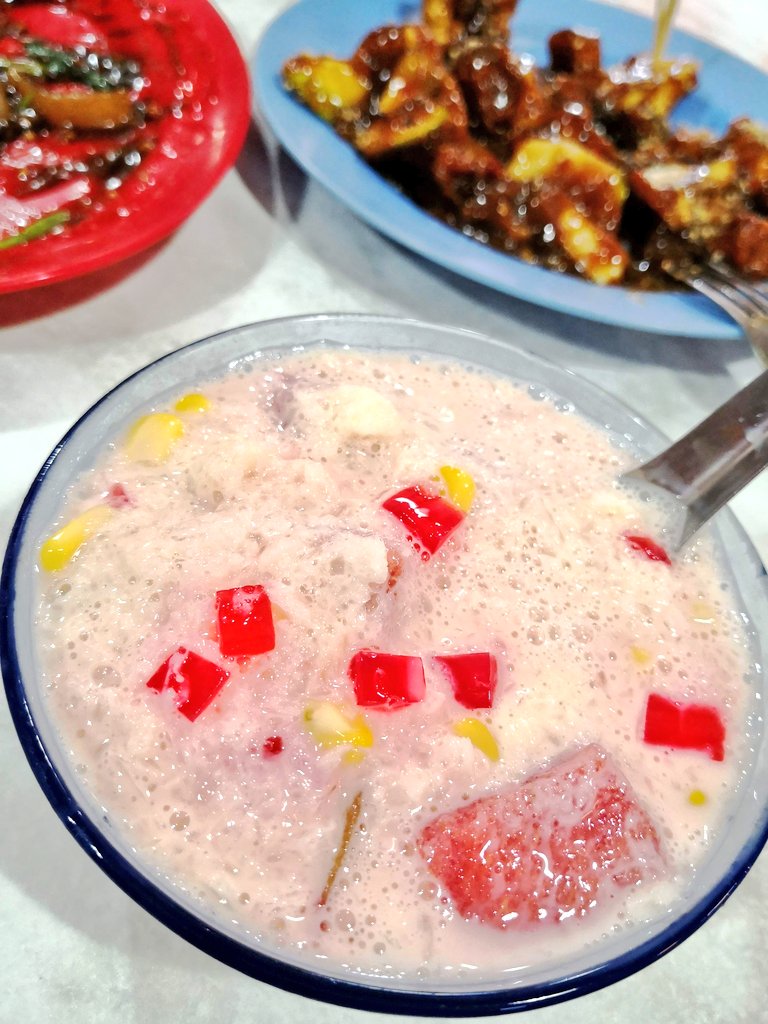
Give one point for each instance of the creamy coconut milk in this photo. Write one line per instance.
(277, 480)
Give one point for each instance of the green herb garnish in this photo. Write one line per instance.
(91, 69)
(36, 230)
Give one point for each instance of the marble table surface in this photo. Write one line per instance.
(73, 947)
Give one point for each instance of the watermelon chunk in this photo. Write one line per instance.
(559, 845)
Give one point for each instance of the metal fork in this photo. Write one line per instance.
(742, 301)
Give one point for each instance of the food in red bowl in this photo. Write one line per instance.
(117, 119)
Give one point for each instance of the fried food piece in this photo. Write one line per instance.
(575, 53)
(457, 162)
(748, 143)
(417, 76)
(380, 51)
(576, 124)
(420, 101)
(576, 200)
(661, 145)
(595, 253)
(450, 21)
(503, 96)
(394, 93)
(642, 92)
(472, 179)
(745, 244)
(5, 108)
(414, 97)
(694, 198)
(333, 89)
(596, 186)
(409, 127)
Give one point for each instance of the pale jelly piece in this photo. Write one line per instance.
(348, 411)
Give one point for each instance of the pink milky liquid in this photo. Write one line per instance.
(280, 484)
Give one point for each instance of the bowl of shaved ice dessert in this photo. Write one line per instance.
(338, 645)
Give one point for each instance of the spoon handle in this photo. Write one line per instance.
(704, 469)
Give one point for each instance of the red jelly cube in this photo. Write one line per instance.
(195, 680)
(473, 678)
(244, 622)
(386, 681)
(557, 846)
(429, 519)
(118, 497)
(688, 726)
(272, 746)
(653, 551)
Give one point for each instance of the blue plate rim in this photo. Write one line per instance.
(250, 961)
(328, 160)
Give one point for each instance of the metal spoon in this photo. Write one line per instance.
(704, 469)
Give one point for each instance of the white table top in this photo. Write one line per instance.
(73, 947)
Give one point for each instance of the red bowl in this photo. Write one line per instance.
(180, 44)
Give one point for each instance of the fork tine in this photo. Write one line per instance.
(722, 273)
(729, 300)
(742, 301)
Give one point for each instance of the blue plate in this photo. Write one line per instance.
(729, 88)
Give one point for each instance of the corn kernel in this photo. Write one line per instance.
(639, 655)
(330, 726)
(460, 487)
(153, 437)
(353, 757)
(697, 798)
(479, 735)
(193, 402)
(58, 549)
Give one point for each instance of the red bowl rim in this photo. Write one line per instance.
(224, 126)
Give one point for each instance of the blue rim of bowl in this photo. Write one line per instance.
(247, 959)
(314, 145)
